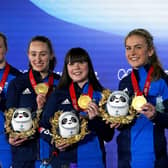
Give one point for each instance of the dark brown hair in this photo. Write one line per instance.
(44, 39)
(78, 55)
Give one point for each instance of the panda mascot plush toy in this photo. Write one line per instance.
(118, 104)
(68, 124)
(21, 120)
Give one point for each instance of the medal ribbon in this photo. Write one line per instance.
(4, 76)
(33, 81)
(146, 86)
(73, 95)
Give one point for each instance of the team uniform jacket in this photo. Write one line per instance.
(4, 146)
(21, 94)
(89, 152)
(143, 143)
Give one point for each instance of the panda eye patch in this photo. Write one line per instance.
(74, 119)
(16, 114)
(112, 98)
(122, 99)
(64, 121)
(25, 114)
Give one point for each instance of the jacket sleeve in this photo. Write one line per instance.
(47, 113)
(2, 102)
(101, 128)
(98, 125)
(161, 118)
(12, 96)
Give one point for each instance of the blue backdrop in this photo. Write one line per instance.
(97, 26)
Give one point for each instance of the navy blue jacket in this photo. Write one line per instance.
(143, 143)
(12, 74)
(21, 94)
(89, 152)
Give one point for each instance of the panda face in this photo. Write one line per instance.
(118, 100)
(21, 115)
(21, 119)
(68, 124)
(118, 103)
(68, 120)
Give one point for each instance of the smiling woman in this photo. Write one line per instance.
(142, 143)
(32, 90)
(78, 80)
(39, 57)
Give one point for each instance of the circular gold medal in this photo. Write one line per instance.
(41, 88)
(138, 102)
(83, 101)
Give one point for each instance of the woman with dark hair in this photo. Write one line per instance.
(78, 78)
(143, 143)
(25, 92)
(7, 73)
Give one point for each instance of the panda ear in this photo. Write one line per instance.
(126, 91)
(75, 112)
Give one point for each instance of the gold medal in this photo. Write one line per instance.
(83, 101)
(138, 102)
(41, 88)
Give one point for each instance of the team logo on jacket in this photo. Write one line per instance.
(21, 120)
(26, 91)
(66, 101)
(68, 124)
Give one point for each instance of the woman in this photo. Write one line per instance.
(143, 143)
(7, 73)
(78, 78)
(22, 93)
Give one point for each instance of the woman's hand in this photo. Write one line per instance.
(113, 125)
(92, 110)
(62, 146)
(41, 100)
(16, 141)
(148, 110)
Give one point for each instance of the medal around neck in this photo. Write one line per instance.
(67, 127)
(114, 107)
(83, 101)
(138, 102)
(41, 88)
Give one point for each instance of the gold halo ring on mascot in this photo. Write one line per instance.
(114, 107)
(19, 122)
(67, 127)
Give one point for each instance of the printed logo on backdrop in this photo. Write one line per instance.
(166, 71)
(124, 72)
